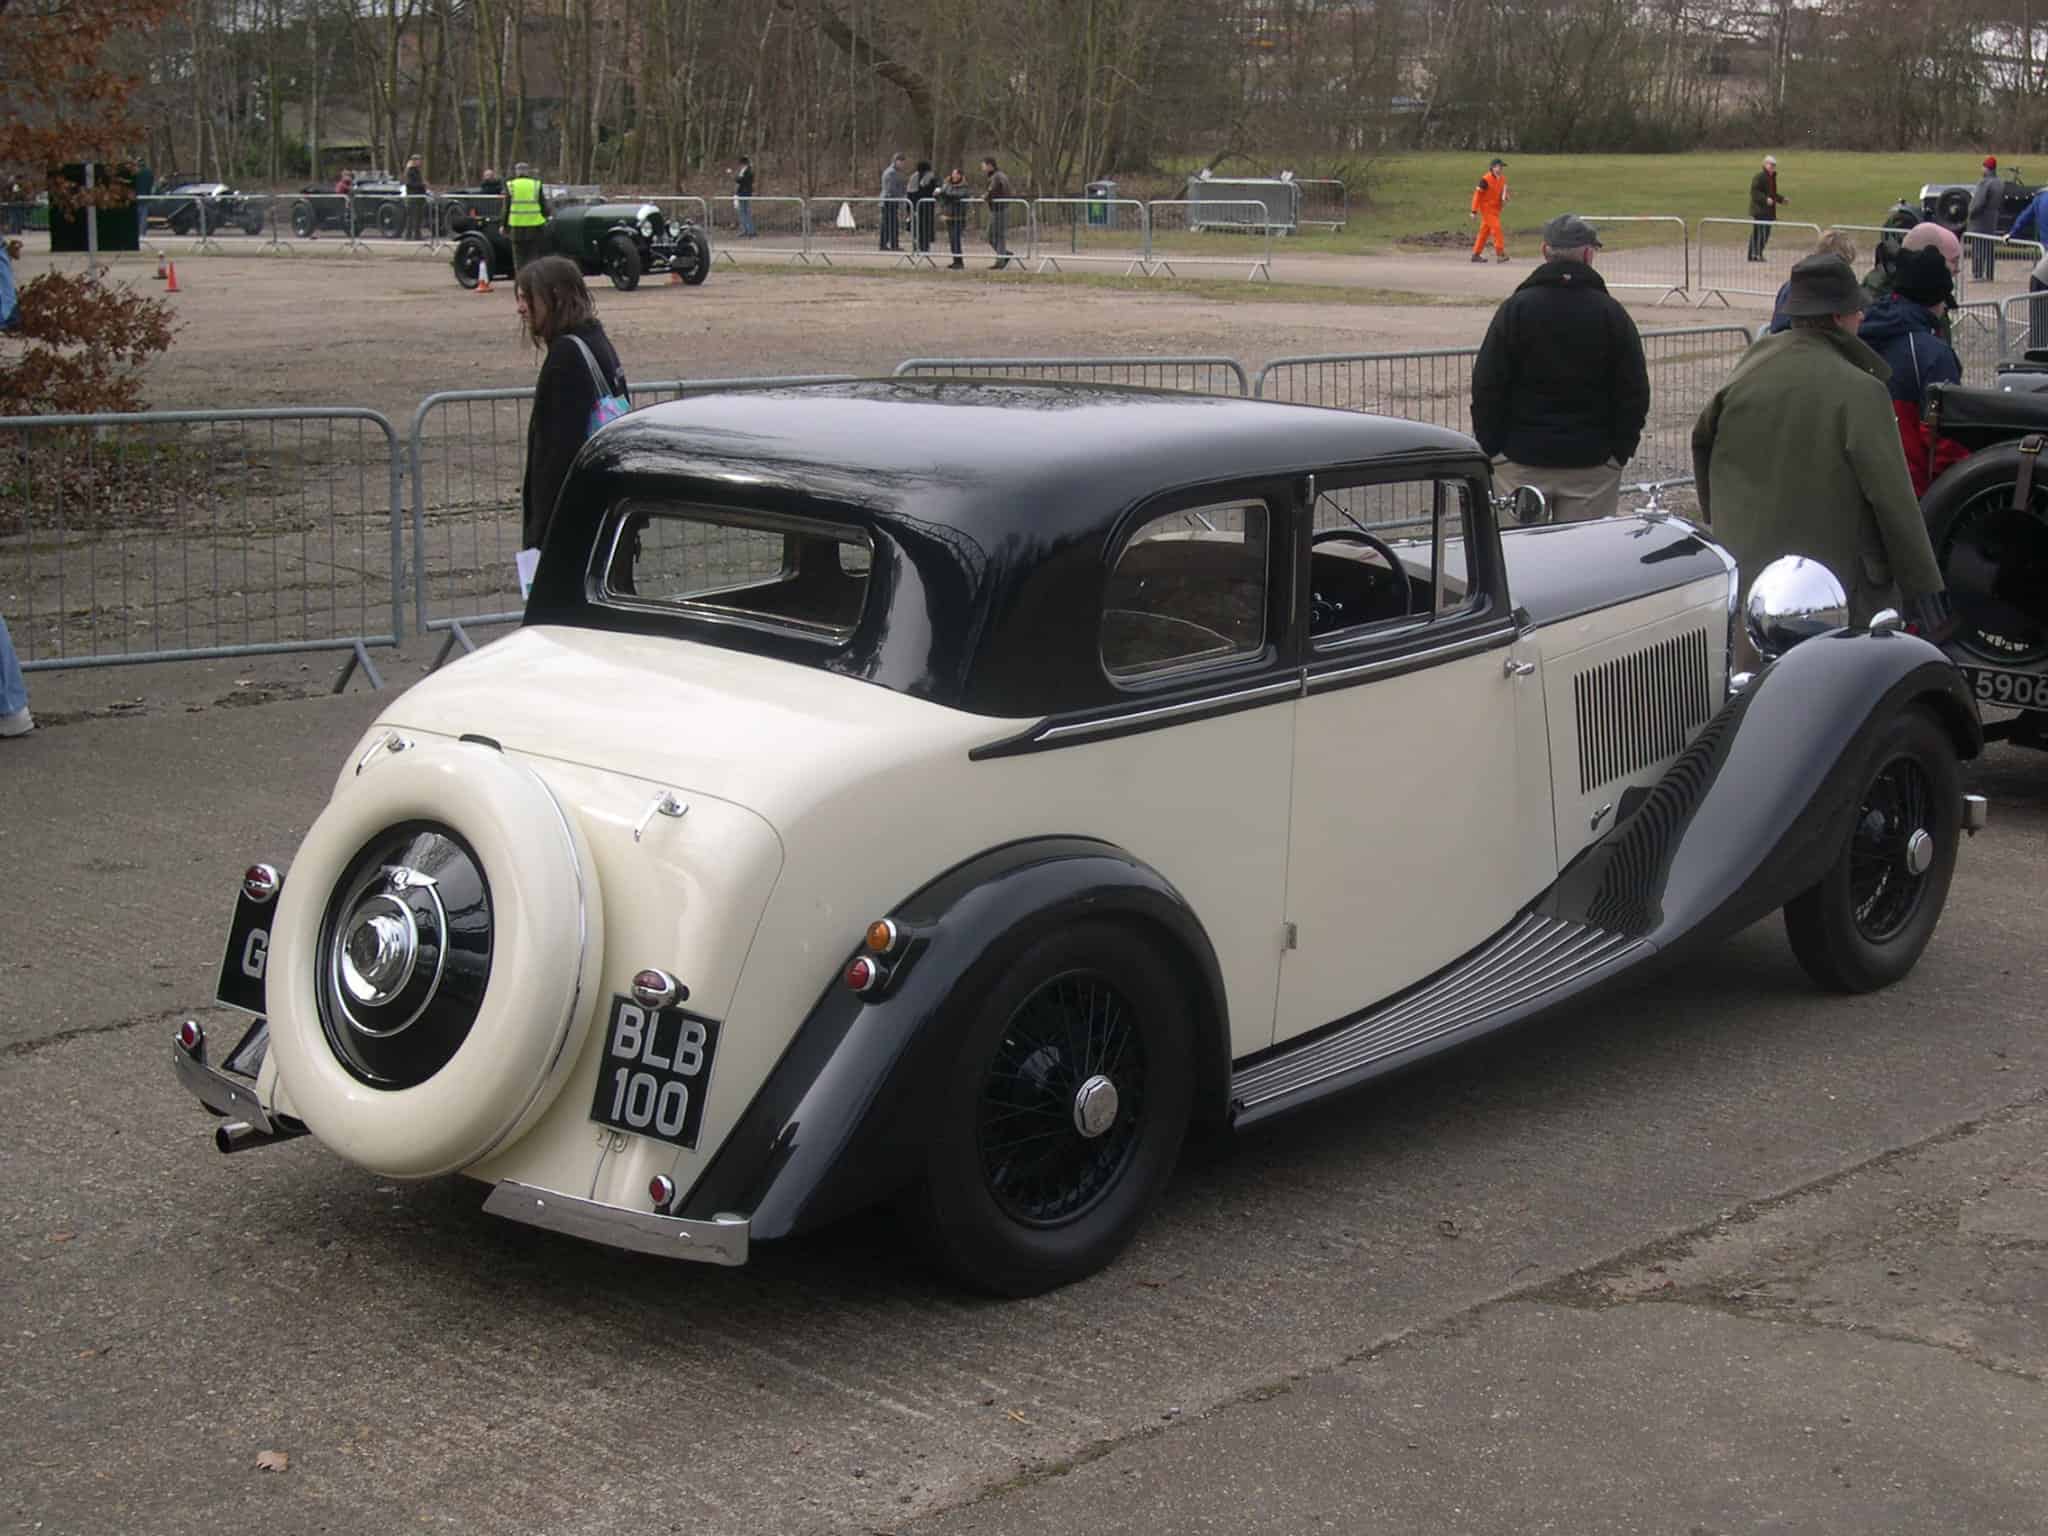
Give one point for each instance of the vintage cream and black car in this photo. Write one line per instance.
(954, 791)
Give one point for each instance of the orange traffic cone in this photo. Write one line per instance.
(674, 277)
(160, 266)
(171, 275)
(483, 279)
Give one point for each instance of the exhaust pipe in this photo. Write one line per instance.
(240, 1136)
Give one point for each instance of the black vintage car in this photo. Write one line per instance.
(1988, 518)
(1948, 203)
(203, 207)
(375, 202)
(622, 240)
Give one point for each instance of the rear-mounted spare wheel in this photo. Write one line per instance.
(429, 975)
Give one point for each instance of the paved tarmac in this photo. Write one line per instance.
(1714, 1254)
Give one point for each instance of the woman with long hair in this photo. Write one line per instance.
(581, 384)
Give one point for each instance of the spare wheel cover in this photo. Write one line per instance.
(486, 813)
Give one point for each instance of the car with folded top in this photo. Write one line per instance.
(955, 793)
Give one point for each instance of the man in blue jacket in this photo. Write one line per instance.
(1904, 329)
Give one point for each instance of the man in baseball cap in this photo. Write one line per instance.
(1560, 391)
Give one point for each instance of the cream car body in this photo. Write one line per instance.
(1271, 701)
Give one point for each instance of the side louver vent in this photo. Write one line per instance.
(1639, 709)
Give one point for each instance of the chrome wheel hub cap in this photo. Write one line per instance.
(379, 950)
(1095, 1106)
(1919, 852)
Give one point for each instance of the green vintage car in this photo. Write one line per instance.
(621, 240)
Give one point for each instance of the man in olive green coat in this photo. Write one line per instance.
(1798, 453)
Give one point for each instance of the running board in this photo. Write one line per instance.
(1532, 963)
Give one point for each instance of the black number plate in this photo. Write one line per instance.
(248, 953)
(2014, 690)
(657, 1065)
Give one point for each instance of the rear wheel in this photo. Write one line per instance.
(1867, 921)
(389, 217)
(1062, 1113)
(252, 221)
(1953, 207)
(621, 258)
(1994, 560)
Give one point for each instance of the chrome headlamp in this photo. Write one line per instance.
(1792, 599)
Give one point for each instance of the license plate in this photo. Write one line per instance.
(248, 952)
(657, 1066)
(2011, 690)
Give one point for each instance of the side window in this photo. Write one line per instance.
(1388, 555)
(1188, 587)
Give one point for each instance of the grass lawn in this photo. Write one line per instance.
(1414, 194)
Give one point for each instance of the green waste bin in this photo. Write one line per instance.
(1099, 192)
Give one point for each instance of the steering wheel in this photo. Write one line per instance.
(1379, 547)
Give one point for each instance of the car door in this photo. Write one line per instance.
(1418, 750)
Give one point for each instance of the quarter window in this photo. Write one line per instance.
(1188, 588)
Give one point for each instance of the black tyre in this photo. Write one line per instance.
(184, 221)
(471, 260)
(1061, 1114)
(1867, 921)
(1953, 207)
(304, 220)
(252, 221)
(389, 218)
(621, 259)
(1993, 559)
(693, 257)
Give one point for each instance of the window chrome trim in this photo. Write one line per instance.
(1057, 732)
(1493, 637)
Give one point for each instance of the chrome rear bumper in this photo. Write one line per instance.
(722, 1240)
(232, 1096)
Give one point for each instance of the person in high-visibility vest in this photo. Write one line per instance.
(1488, 198)
(526, 214)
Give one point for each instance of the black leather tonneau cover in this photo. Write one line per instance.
(1977, 418)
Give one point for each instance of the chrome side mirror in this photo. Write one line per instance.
(1792, 599)
(1529, 505)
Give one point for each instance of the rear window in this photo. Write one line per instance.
(796, 575)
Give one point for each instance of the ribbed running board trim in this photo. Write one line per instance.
(1508, 976)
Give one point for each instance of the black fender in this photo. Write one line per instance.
(840, 1121)
(1755, 810)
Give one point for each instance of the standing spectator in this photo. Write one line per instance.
(1926, 235)
(955, 194)
(1832, 242)
(1488, 199)
(893, 186)
(1560, 391)
(415, 199)
(15, 720)
(560, 319)
(526, 214)
(1904, 328)
(345, 189)
(743, 197)
(1764, 203)
(1798, 454)
(1983, 220)
(10, 304)
(924, 189)
(998, 197)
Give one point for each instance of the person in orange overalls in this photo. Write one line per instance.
(1488, 199)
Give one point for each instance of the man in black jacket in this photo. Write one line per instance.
(1560, 390)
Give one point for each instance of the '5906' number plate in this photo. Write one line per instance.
(657, 1064)
(2015, 690)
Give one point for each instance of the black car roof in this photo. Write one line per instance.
(992, 455)
(998, 498)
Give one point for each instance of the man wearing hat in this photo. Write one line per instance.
(1488, 199)
(1798, 454)
(1983, 219)
(1905, 329)
(1560, 391)
(1764, 202)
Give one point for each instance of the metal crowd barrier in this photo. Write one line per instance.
(1686, 366)
(1196, 375)
(782, 227)
(1660, 265)
(1720, 256)
(178, 535)
(1116, 230)
(467, 450)
(1325, 203)
(1187, 226)
(1977, 330)
(2003, 262)
(850, 225)
(2022, 323)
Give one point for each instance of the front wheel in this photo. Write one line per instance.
(1867, 921)
(621, 261)
(1062, 1114)
(692, 257)
(389, 217)
(304, 220)
(472, 259)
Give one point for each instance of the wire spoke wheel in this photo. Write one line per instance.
(1062, 1101)
(1890, 850)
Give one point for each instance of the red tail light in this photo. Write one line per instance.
(864, 974)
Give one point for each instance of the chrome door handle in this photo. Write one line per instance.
(1514, 668)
